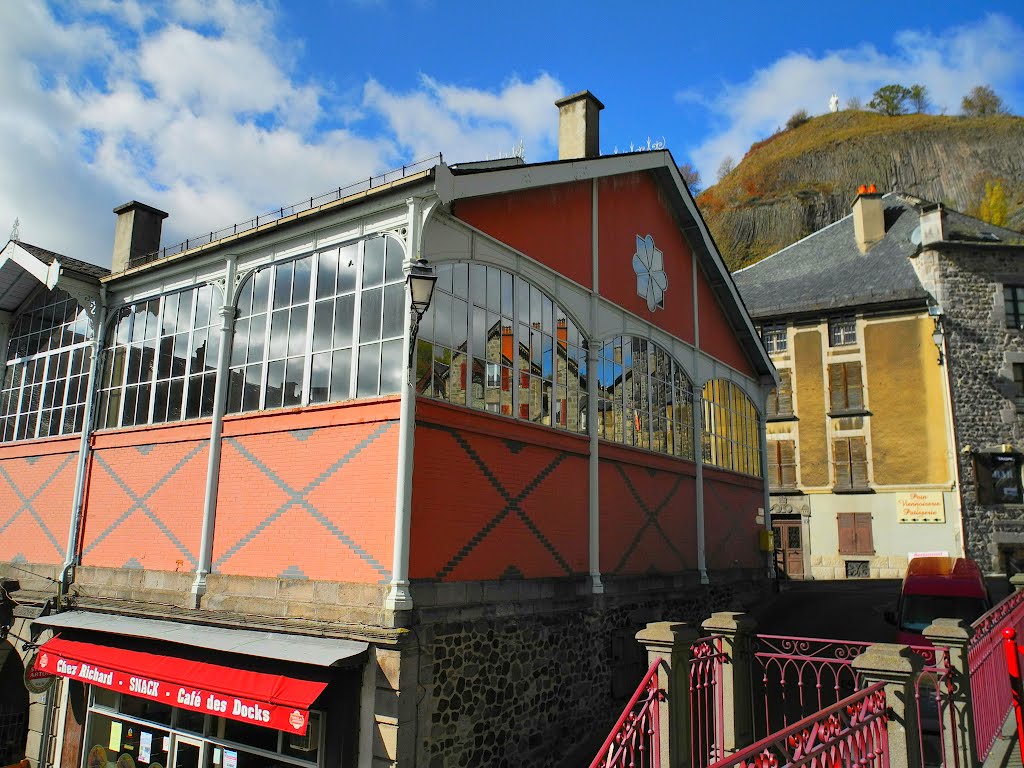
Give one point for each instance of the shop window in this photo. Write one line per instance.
(1013, 302)
(774, 338)
(646, 399)
(781, 464)
(160, 360)
(850, 461)
(320, 328)
(998, 478)
(855, 533)
(780, 399)
(842, 331)
(845, 386)
(732, 429)
(522, 349)
(47, 371)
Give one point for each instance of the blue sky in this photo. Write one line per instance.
(216, 110)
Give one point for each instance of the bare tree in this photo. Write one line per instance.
(726, 166)
(919, 100)
(854, 103)
(691, 176)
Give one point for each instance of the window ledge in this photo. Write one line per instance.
(849, 412)
(851, 489)
(785, 490)
(790, 417)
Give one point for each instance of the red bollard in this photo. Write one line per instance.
(1016, 685)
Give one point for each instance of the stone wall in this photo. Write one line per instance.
(541, 680)
(968, 283)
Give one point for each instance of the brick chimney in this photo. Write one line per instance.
(578, 126)
(868, 217)
(137, 233)
(932, 224)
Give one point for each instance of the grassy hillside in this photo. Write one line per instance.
(799, 180)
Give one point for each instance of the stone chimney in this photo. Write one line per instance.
(932, 220)
(137, 233)
(868, 217)
(578, 126)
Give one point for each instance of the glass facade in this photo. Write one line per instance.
(48, 360)
(126, 732)
(320, 328)
(494, 342)
(732, 429)
(646, 400)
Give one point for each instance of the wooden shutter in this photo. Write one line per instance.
(784, 398)
(847, 533)
(841, 461)
(772, 404)
(862, 529)
(858, 462)
(787, 463)
(774, 477)
(854, 386)
(836, 387)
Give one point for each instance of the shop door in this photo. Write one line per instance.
(188, 753)
(789, 548)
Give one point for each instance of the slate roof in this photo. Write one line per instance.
(74, 265)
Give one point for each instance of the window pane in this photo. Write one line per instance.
(394, 310)
(393, 268)
(323, 323)
(297, 332)
(370, 315)
(391, 367)
(327, 274)
(320, 379)
(300, 286)
(293, 381)
(369, 370)
(283, 284)
(341, 375)
(373, 261)
(347, 259)
(344, 312)
(279, 334)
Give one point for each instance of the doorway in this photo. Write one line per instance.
(188, 752)
(789, 548)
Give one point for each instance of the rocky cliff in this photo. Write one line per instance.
(805, 178)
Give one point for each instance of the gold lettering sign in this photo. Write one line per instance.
(920, 508)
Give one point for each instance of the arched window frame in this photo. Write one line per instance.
(534, 369)
(332, 333)
(46, 377)
(141, 380)
(732, 428)
(657, 382)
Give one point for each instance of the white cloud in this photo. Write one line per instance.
(198, 107)
(948, 64)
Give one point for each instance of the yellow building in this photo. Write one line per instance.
(860, 441)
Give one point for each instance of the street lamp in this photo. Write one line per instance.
(421, 281)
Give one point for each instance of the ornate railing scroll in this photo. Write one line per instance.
(990, 686)
(707, 728)
(636, 737)
(849, 734)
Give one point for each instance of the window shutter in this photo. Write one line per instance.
(774, 478)
(787, 463)
(841, 460)
(858, 462)
(862, 527)
(847, 533)
(772, 404)
(784, 398)
(854, 387)
(836, 388)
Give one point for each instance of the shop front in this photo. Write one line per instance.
(226, 699)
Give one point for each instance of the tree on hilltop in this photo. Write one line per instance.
(891, 100)
(982, 101)
(919, 99)
(691, 176)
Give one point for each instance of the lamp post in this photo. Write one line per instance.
(421, 281)
(938, 337)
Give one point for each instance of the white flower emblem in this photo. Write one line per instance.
(651, 280)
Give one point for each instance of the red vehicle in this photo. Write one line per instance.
(938, 588)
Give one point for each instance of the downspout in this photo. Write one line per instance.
(594, 495)
(227, 325)
(698, 432)
(84, 444)
(399, 596)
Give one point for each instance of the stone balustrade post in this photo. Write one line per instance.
(951, 638)
(1017, 582)
(897, 667)
(737, 633)
(671, 641)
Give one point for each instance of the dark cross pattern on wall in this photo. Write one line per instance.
(513, 504)
(651, 519)
(27, 501)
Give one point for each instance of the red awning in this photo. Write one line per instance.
(274, 701)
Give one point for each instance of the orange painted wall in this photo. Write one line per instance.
(144, 500)
(731, 502)
(309, 492)
(631, 205)
(648, 518)
(494, 498)
(37, 480)
(550, 224)
(716, 335)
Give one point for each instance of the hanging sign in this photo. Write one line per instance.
(37, 681)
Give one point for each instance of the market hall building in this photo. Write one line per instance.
(261, 512)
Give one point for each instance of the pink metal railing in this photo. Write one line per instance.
(707, 729)
(1016, 684)
(849, 734)
(635, 739)
(990, 686)
(936, 713)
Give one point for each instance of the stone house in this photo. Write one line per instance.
(891, 330)
(306, 527)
